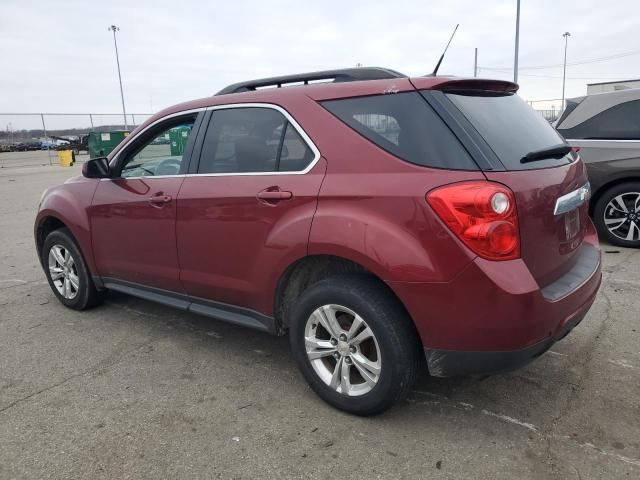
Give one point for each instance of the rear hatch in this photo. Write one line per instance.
(526, 154)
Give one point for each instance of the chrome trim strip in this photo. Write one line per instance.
(572, 200)
(272, 106)
(132, 138)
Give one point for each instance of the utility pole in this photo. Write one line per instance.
(566, 36)
(475, 64)
(114, 29)
(515, 59)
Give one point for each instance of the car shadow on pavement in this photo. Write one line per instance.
(523, 397)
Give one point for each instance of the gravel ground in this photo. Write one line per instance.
(136, 390)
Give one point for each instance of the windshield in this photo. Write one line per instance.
(510, 127)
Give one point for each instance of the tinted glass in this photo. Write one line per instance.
(510, 127)
(295, 154)
(242, 140)
(162, 155)
(405, 125)
(621, 122)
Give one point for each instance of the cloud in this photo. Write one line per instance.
(60, 58)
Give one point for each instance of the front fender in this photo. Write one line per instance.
(69, 203)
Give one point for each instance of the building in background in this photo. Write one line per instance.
(603, 87)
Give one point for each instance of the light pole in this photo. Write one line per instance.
(475, 64)
(114, 29)
(566, 36)
(515, 58)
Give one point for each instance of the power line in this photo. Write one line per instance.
(580, 62)
(597, 77)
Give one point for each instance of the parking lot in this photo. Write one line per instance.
(133, 389)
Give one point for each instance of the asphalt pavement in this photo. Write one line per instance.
(136, 390)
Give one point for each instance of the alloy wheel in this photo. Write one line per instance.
(62, 268)
(622, 216)
(343, 350)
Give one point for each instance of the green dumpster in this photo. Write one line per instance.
(101, 144)
(178, 137)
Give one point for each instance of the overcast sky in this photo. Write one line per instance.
(58, 56)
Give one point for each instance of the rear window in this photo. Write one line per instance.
(510, 127)
(406, 126)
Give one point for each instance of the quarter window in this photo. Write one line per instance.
(405, 125)
(250, 140)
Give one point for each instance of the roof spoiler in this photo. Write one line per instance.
(341, 75)
(479, 84)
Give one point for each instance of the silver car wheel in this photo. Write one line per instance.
(343, 350)
(62, 269)
(622, 216)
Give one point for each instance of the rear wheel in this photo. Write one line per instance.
(617, 215)
(354, 344)
(67, 271)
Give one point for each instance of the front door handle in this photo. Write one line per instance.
(160, 199)
(274, 194)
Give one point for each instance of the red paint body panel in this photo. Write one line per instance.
(216, 240)
(544, 246)
(233, 247)
(133, 239)
(492, 306)
(70, 204)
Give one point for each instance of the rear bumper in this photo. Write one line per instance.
(494, 316)
(447, 363)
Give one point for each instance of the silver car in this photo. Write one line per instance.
(606, 127)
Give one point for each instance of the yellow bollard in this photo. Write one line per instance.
(66, 158)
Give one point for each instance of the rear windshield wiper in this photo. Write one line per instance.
(557, 151)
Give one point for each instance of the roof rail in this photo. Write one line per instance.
(341, 75)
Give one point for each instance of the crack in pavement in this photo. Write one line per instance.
(586, 353)
(114, 358)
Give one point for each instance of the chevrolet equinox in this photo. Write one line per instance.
(383, 222)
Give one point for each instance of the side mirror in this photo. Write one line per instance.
(96, 168)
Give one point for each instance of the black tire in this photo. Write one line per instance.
(86, 295)
(600, 210)
(393, 329)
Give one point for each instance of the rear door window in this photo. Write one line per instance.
(406, 126)
(252, 140)
(510, 127)
(295, 154)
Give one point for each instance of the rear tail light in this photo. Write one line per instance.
(482, 215)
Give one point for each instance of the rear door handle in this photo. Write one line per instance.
(274, 194)
(160, 199)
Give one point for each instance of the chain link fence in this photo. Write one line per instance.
(32, 139)
(550, 109)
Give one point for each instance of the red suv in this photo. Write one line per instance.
(378, 219)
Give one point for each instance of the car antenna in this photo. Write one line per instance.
(435, 70)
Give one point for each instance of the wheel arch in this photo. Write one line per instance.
(48, 222)
(597, 195)
(44, 227)
(308, 270)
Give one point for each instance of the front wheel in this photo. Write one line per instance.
(354, 344)
(67, 271)
(617, 215)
